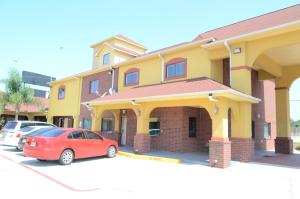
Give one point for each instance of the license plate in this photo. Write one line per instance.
(33, 144)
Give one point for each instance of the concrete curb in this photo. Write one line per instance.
(147, 157)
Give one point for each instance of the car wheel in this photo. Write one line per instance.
(41, 160)
(66, 157)
(111, 151)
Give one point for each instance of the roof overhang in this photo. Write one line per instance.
(230, 94)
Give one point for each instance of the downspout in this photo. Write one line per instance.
(162, 67)
(112, 80)
(230, 56)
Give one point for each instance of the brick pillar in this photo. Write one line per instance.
(142, 143)
(242, 149)
(284, 145)
(219, 152)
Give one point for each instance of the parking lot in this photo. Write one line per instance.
(133, 178)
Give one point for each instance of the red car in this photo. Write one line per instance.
(67, 144)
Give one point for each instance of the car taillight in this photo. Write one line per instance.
(18, 136)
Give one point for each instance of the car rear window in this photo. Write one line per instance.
(43, 124)
(40, 131)
(27, 129)
(25, 124)
(10, 125)
(52, 133)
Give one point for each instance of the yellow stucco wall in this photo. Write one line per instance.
(70, 105)
(198, 65)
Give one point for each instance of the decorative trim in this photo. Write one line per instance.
(174, 61)
(219, 139)
(242, 68)
(131, 70)
(282, 88)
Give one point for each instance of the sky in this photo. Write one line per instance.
(52, 37)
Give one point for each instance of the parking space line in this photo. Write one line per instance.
(48, 177)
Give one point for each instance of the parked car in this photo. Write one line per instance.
(14, 126)
(33, 133)
(12, 138)
(67, 144)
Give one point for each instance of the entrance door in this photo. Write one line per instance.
(124, 130)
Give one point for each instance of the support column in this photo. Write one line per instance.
(219, 145)
(283, 141)
(242, 144)
(142, 139)
(96, 119)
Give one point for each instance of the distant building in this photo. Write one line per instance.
(38, 82)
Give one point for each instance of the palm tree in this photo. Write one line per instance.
(17, 93)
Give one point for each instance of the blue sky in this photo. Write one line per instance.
(53, 37)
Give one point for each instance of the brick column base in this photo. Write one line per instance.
(113, 136)
(219, 152)
(284, 145)
(141, 143)
(242, 149)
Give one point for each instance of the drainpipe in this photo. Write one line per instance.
(230, 55)
(162, 67)
(112, 80)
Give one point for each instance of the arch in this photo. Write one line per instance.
(181, 128)
(258, 47)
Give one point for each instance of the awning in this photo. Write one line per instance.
(186, 89)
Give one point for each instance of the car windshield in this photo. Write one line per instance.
(52, 133)
(10, 125)
(39, 131)
(27, 129)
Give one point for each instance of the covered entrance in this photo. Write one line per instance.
(183, 116)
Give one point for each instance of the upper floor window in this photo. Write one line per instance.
(175, 68)
(94, 86)
(106, 58)
(131, 77)
(61, 92)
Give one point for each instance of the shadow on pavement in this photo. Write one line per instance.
(279, 160)
(50, 163)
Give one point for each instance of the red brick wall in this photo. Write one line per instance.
(174, 123)
(104, 85)
(266, 109)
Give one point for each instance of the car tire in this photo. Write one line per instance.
(111, 151)
(66, 157)
(41, 160)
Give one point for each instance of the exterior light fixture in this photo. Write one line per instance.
(216, 110)
(258, 115)
(124, 111)
(237, 50)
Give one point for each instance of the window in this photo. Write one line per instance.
(27, 129)
(176, 68)
(192, 127)
(40, 131)
(106, 58)
(87, 123)
(76, 135)
(61, 93)
(94, 86)
(52, 133)
(154, 127)
(92, 136)
(106, 125)
(132, 77)
(10, 125)
(25, 124)
(267, 130)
